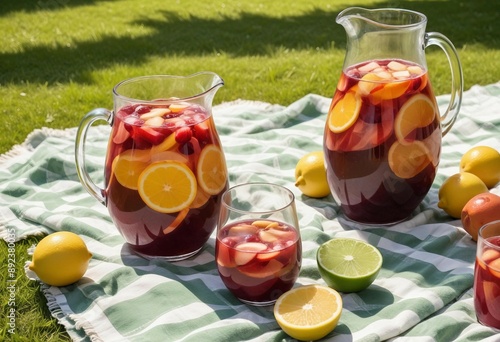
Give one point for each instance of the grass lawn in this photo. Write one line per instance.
(61, 58)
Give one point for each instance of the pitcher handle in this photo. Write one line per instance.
(450, 115)
(81, 136)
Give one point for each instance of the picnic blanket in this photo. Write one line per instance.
(423, 292)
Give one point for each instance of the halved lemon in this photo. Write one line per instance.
(408, 160)
(128, 165)
(345, 112)
(211, 170)
(309, 312)
(167, 186)
(419, 111)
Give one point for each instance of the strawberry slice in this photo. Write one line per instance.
(202, 132)
(183, 135)
(149, 134)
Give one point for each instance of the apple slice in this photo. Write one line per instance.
(155, 121)
(369, 67)
(265, 224)
(246, 251)
(266, 256)
(491, 294)
(489, 255)
(273, 235)
(178, 107)
(270, 269)
(242, 229)
(154, 113)
(396, 66)
(494, 267)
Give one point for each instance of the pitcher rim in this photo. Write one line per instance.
(422, 21)
(219, 83)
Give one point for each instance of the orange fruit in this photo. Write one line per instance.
(419, 111)
(128, 165)
(211, 170)
(409, 159)
(167, 186)
(345, 112)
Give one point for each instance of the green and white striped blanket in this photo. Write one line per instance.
(423, 292)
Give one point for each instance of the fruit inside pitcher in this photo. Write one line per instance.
(165, 174)
(382, 140)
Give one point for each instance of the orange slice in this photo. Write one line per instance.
(167, 186)
(391, 90)
(211, 170)
(419, 111)
(128, 165)
(167, 144)
(345, 112)
(408, 160)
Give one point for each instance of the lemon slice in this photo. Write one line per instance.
(211, 170)
(348, 265)
(309, 312)
(167, 186)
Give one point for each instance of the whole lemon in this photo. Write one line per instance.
(310, 175)
(484, 162)
(60, 259)
(457, 190)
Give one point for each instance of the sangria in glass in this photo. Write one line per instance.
(487, 275)
(258, 247)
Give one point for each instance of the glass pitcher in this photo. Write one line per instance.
(382, 138)
(165, 170)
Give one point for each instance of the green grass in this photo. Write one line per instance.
(61, 58)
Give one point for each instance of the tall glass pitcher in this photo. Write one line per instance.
(382, 138)
(165, 170)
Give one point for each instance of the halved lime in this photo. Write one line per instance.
(348, 265)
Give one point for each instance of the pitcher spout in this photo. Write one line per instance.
(383, 33)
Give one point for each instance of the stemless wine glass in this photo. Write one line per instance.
(487, 275)
(258, 248)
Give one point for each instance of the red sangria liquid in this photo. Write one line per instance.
(382, 140)
(258, 260)
(487, 285)
(165, 174)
